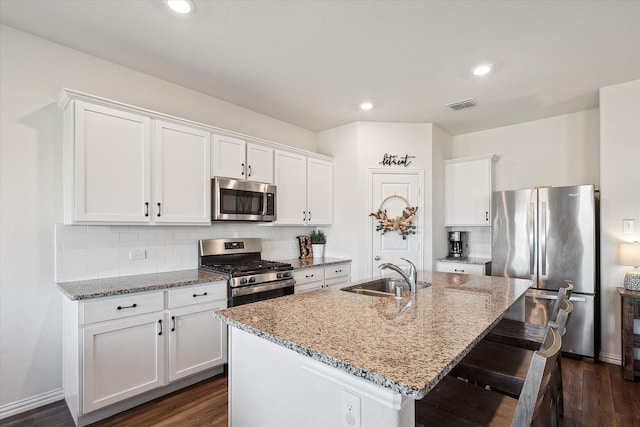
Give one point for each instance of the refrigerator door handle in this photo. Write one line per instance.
(532, 254)
(543, 238)
(553, 297)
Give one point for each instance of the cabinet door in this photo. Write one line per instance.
(228, 157)
(290, 179)
(182, 175)
(111, 152)
(197, 341)
(468, 192)
(319, 192)
(122, 359)
(259, 163)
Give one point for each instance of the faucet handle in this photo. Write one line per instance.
(411, 264)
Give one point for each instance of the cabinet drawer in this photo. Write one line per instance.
(309, 275)
(119, 307)
(457, 267)
(341, 270)
(189, 295)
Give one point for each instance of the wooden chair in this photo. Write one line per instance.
(504, 368)
(454, 402)
(523, 334)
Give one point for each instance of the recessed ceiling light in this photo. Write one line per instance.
(366, 106)
(180, 6)
(481, 70)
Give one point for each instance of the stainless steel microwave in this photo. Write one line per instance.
(235, 200)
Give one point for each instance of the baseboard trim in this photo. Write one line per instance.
(614, 359)
(24, 405)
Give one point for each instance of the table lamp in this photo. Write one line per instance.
(630, 255)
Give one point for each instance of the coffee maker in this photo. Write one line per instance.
(458, 247)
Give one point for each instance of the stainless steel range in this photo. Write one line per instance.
(251, 277)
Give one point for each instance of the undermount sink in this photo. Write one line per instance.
(382, 287)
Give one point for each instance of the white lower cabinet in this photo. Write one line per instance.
(314, 278)
(117, 349)
(122, 359)
(458, 267)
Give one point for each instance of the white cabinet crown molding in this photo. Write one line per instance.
(67, 95)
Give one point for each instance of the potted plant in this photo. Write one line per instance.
(318, 240)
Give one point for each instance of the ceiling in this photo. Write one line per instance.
(310, 63)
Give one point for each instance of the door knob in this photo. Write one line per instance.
(377, 258)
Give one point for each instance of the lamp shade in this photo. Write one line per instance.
(630, 254)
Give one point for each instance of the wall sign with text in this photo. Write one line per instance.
(396, 160)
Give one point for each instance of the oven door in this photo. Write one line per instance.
(234, 200)
(260, 292)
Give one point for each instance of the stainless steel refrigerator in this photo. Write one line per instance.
(550, 235)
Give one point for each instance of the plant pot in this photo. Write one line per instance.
(318, 250)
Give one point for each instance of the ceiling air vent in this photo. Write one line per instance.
(461, 105)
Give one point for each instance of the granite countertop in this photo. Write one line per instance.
(468, 260)
(299, 264)
(98, 288)
(406, 350)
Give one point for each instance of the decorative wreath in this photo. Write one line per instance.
(401, 224)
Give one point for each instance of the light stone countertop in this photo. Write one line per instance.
(299, 264)
(408, 350)
(468, 260)
(111, 286)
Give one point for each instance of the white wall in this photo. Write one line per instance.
(562, 150)
(359, 147)
(32, 72)
(620, 198)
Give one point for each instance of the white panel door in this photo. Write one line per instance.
(319, 192)
(291, 182)
(228, 157)
(196, 340)
(182, 183)
(390, 247)
(122, 359)
(111, 165)
(259, 163)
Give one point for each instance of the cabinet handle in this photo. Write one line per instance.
(159, 208)
(486, 215)
(459, 271)
(173, 323)
(339, 271)
(309, 215)
(146, 209)
(249, 170)
(127, 306)
(308, 276)
(304, 215)
(200, 295)
(242, 171)
(160, 322)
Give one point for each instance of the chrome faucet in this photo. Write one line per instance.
(411, 278)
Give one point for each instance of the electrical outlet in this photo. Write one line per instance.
(349, 409)
(137, 254)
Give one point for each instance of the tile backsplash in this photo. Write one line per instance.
(92, 252)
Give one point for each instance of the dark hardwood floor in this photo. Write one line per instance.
(595, 395)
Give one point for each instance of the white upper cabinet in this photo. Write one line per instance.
(319, 192)
(468, 184)
(235, 158)
(182, 174)
(108, 170)
(305, 189)
(291, 184)
(107, 165)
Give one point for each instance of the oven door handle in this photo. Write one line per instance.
(254, 289)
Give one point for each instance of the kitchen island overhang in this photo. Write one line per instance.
(403, 348)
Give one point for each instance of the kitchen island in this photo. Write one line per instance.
(329, 357)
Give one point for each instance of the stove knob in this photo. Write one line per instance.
(252, 280)
(280, 275)
(243, 281)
